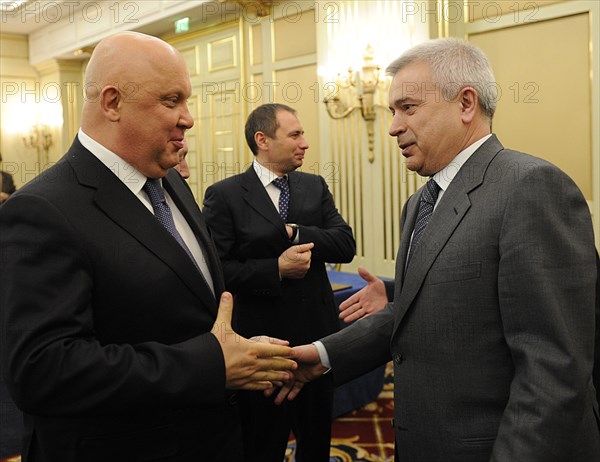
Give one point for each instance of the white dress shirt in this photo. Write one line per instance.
(266, 177)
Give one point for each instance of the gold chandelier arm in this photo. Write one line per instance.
(366, 85)
(336, 109)
(39, 138)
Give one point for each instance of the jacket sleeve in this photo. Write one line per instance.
(53, 362)
(360, 347)
(334, 242)
(545, 280)
(596, 373)
(258, 276)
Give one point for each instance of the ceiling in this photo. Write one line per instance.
(28, 16)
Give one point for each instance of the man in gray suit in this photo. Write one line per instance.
(491, 330)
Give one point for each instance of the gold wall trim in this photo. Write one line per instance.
(212, 47)
(566, 9)
(552, 11)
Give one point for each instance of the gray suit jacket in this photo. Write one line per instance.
(492, 325)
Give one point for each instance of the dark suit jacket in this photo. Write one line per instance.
(492, 327)
(250, 236)
(8, 185)
(597, 347)
(107, 347)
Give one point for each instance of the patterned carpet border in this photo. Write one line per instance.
(363, 435)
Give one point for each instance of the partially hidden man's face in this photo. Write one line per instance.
(285, 151)
(427, 126)
(182, 167)
(155, 116)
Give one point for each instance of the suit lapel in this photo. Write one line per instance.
(257, 197)
(120, 205)
(183, 197)
(449, 212)
(407, 226)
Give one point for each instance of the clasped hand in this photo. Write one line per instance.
(309, 369)
(259, 363)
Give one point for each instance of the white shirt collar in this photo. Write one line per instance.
(128, 174)
(265, 175)
(445, 176)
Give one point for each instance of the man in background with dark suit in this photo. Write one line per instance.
(114, 344)
(274, 229)
(491, 328)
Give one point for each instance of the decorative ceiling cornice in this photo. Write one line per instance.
(261, 7)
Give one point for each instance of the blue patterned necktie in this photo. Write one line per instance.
(163, 214)
(428, 198)
(284, 196)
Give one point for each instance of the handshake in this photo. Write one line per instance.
(263, 363)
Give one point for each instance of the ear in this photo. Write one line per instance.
(261, 141)
(469, 104)
(110, 101)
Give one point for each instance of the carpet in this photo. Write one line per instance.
(363, 435)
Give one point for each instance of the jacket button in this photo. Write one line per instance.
(398, 358)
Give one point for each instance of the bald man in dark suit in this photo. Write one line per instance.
(114, 343)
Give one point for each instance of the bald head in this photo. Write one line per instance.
(136, 91)
(124, 60)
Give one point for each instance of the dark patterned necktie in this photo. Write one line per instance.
(284, 196)
(163, 214)
(428, 198)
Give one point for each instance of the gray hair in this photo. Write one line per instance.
(455, 64)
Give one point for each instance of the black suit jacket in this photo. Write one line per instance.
(250, 236)
(596, 373)
(8, 185)
(108, 348)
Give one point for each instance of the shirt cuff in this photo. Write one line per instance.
(323, 356)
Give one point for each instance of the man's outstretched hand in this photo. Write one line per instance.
(368, 300)
(255, 364)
